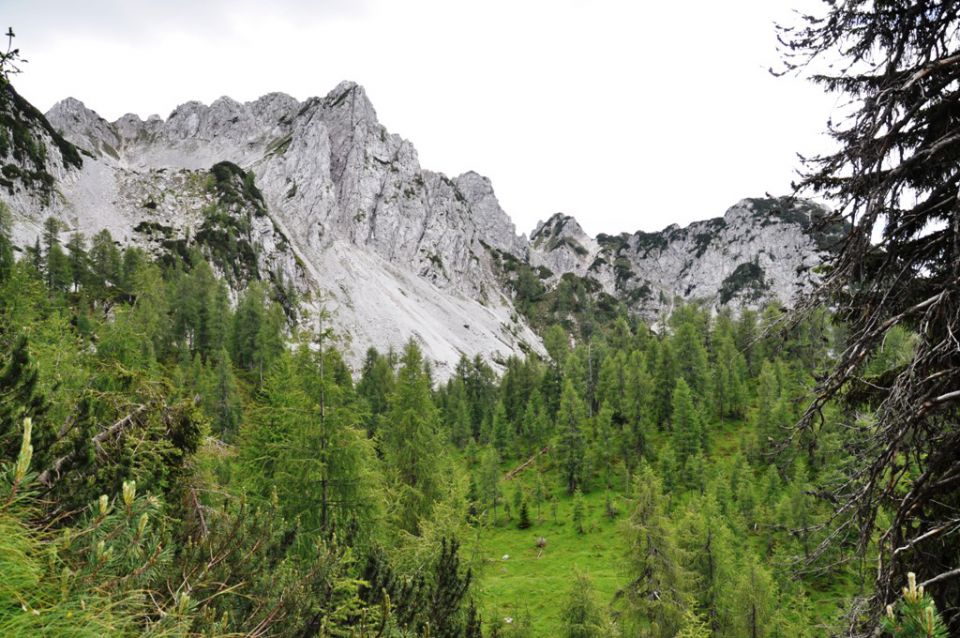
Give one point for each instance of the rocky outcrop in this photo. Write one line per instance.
(320, 196)
(761, 249)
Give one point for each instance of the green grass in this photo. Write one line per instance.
(533, 584)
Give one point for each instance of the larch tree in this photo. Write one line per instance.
(489, 470)
(410, 440)
(691, 358)
(571, 445)
(729, 373)
(656, 596)
(688, 433)
(582, 617)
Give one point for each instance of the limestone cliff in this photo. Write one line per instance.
(319, 197)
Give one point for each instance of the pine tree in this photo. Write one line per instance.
(914, 615)
(450, 586)
(21, 397)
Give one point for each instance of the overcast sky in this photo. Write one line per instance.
(629, 115)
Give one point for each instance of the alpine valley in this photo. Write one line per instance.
(319, 200)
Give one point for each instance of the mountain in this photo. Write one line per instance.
(320, 199)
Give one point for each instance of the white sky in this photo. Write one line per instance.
(629, 114)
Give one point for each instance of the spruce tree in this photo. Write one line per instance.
(578, 512)
(377, 381)
(105, 263)
(524, 522)
(536, 426)
(502, 430)
(79, 260)
(226, 407)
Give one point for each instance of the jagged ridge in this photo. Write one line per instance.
(349, 220)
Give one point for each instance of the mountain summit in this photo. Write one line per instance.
(320, 199)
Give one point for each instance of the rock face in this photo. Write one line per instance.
(761, 249)
(320, 196)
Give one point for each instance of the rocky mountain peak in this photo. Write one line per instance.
(83, 126)
(320, 199)
(71, 107)
(558, 225)
(351, 97)
(492, 222)
(561, 245)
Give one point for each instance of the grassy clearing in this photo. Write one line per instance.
(532, 585)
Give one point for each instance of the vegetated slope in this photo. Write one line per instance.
(258, 487)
